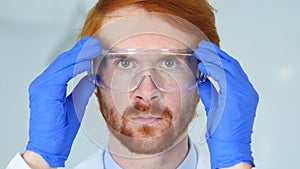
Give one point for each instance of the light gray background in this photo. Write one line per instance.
(262, 35)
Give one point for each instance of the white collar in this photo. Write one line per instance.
(190, 160)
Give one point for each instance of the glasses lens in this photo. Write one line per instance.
(170, 71)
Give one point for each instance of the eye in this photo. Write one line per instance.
(169, 63)
(125, 64)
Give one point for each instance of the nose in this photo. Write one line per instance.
(146, 92)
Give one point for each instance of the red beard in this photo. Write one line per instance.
(144, 138)
(130, 129)
(126, 126)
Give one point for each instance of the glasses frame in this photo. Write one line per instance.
(94, 78)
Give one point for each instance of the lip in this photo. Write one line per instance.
(146, 120)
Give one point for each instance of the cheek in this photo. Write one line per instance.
(116, 101)
(182, 105)
(189, 103)
(120, 101)
(112, 118)
(174, 103)
(107, 105)
(106, 99)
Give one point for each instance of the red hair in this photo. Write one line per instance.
(198, 12)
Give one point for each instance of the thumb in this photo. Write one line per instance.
(80, 96)
(205, 92)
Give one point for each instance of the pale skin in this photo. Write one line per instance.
(168, 159)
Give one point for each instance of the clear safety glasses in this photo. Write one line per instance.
(124, 70)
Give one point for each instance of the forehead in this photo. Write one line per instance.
(134, 27)
(150, 41)
(140, 41)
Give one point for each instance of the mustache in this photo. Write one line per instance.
(151, 110)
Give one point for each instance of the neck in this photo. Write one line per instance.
(169, 159)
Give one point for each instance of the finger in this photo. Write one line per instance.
(86, 49)
(79, 98)
(222, 53)
(206, 49)
(215, 72)
(70, 72)
(61, 78)
(213, 108)
(224, 73)
(213, 51)
(204, 91)
(213, 64)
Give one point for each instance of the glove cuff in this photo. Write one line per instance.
(53, 161)
(226, 154)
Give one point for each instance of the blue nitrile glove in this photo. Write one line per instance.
(55, 118)
(230, 111)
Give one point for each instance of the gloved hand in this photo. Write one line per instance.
(55, 118)
(230, 111)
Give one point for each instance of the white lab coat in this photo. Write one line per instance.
(96, 160)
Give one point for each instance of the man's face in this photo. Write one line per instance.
(147, 120)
